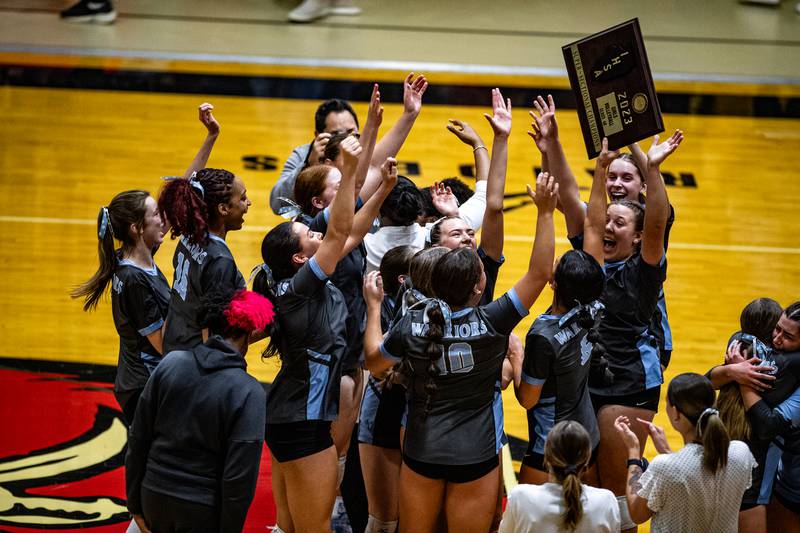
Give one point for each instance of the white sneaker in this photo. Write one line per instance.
(310, 10)
(344, 7)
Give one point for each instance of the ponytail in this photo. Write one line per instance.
(113, 221)
(264, 284)
(567, 452)
(434, 351)
(693, 396)
(714, 436)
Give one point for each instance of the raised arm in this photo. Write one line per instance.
(366, 164)
(540, 265)
(657, 211)
(341, 210)
(362, 222)
(594, 225)
(467, 135)
(390, 144)
(373, 295)
(637, 506)
(493, 235)
(212, 126)
(554, 161)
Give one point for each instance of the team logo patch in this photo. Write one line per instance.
(639, 102)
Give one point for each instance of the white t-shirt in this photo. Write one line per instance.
(685, 497)
(538, 509)
(388, 237)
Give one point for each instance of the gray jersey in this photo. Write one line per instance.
(311, 314)
(198, 268)
(465, 422)
(557, 357)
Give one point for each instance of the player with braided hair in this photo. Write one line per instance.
(201, 211)
(455, 351)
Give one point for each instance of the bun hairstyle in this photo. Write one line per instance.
(567, 452)
(693, 396)
(310, 183)
(455, 275)
(403, 205)
(758, 319)
(234, 313)
(113, 222)
(189, 206)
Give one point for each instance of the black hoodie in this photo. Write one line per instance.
(198, 432)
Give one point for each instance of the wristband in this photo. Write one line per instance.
(641, 463)
(478, 148)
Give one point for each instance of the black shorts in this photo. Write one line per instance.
(296, 440)
(452, 473)
(381, 415)
(646, 399)
(789, 504)
(536, 460)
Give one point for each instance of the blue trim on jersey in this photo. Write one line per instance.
(317, 383)
(326, 214)
(530, 380)
(359, 203)
(610, 268)
(545, 417)
(218, 239)
(545, 316)
(150, 361)
(512, 295)
(500, 438)
(789, 408)
(387, 355)
(662, 306)
(155, 326)
(314, 266)
(369, 411)
(651, 361)
(771, 462)
(153, 271)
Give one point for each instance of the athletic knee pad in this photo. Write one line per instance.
(377, 526)
(625, 521)
(340, 473)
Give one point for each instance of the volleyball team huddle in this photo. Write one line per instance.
(381, 305)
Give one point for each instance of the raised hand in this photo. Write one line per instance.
(351, 149)
(501, 114)
(545, 128)
(546, 194)
(373, 288)
(657, 435)
(751, 374)
(623, 426)
(389, 173)
(444, 200)
(465, 133)
(375, 111)
(659, 152)
(207, 118)
(318, 148)
(606, 157)
(413, 89)
(735, 353)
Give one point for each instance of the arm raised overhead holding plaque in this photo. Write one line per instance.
(613, 86)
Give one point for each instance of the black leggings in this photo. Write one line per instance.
(165, 514)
